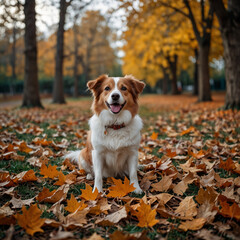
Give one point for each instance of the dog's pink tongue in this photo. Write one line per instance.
(115, 108)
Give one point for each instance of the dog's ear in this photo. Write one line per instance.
(95, 86)
(137, 85)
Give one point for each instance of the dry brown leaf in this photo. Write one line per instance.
(187, 208)
(30, 219)
(19, 203)
(76, 219)
(163, 185)
(61, 235)
(194, 225)
(95, 236)
(113, 218)
(232, 211)
(208, 195)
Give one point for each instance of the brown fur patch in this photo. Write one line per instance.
(86, 153)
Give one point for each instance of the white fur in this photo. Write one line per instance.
(115, 153)
(116, 90)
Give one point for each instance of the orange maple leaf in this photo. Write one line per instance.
(87, 193)
(49, 172)
(120, 189)
(42, 142)
(26, 176)
(191, 129)
(228, 165)
(30, 219)
(146, 216)
(73, 205)
(24, 148)
(45, 193)
(232, 211)
(197, 155)
(170, 153)
(154, 136)
(61, 179)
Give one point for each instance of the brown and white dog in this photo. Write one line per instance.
(113, 140)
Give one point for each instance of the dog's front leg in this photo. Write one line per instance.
(97, 160)
(132, 169)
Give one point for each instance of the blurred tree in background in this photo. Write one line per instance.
(172, 45)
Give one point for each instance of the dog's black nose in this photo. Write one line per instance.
(115, 96)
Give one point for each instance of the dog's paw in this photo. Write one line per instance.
(138, 190)
(100, 190)
(89, 176)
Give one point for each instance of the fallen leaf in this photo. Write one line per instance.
(95, 237)
(73, 205)
(194, 225)
(87, 193)
(120, 189)
(190, 129)
(19, 203)
(24, 148)
(30, 219)
(61, 235)
(228, 165)
(163, 185)
(170, 154)
(187, 208)
(232, 211)
(113, 218)
(208, 195)
(49, 172)
(154, 136)
(146, 216)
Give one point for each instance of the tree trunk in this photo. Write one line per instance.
(165, 81)
(58, 90)
(75, 70)
(13, 60)
(173, 68)
(31, 96)
(196, 66)
(229, 20)
(204, 88)
(231, 43)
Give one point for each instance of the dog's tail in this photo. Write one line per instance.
(74, 157)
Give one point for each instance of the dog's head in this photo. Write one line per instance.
(115, 94)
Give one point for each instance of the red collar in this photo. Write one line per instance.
(114, 127)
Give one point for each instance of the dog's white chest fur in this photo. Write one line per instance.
(115, 146)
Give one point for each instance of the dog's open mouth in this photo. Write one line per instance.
(115, 107)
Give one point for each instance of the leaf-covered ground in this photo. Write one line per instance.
(189, 170)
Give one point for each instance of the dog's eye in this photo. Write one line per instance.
(123, 88)
(107, 88)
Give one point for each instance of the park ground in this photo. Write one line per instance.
(190, 166)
